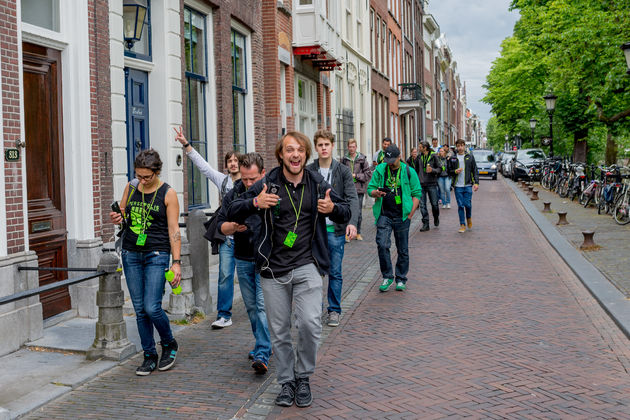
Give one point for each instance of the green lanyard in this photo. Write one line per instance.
(145, 212)
(352, 164)
(425, 160)
(299, 210)
(393, 182)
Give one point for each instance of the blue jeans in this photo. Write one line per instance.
(384, 227)
(336, 246)
(360, 213)
(225, 293)
(430, 191)
(444, 182)
(463, 195)
(249, 282)
(144, 272)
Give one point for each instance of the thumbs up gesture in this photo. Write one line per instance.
(266, 200)
(325, 205)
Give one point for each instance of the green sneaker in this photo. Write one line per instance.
(385, 286)
(400, 286)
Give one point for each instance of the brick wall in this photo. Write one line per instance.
(100, 107)
(13, 171)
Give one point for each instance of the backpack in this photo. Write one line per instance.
(213, 235)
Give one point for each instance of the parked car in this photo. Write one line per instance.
(506, 164)
(527, 163)
(486, 164)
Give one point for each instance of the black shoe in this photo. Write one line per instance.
(424, 228)
(303, 396)
(260, 367)
(169, 354)
(148, 366)
(286, 397)
(436, 222)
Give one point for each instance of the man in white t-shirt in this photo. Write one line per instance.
(463, 168)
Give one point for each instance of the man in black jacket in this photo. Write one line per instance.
(252, 169)
(463, 168)
(292, 256)
(429, 169)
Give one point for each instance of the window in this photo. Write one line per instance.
(196, 85)
(359, 36)
(239, 91)
(372, 38)
(42, 13)
(142, 49)
(306, 2)
(349, 27)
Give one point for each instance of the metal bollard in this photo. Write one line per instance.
(589, 243)
(547, 208)
(200, 261)
(529, 190)
(534, 195)
(562, 218)
(111, 331)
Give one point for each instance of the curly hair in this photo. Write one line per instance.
(149, 159)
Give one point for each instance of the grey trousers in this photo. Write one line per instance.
(305, 291)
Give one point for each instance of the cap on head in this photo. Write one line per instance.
(391, 153)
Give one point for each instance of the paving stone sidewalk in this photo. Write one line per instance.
(612, 259)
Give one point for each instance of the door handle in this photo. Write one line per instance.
(19, 143)
(138, 144)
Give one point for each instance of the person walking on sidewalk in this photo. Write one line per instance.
(227, 264)
(340, 177)
(463, 168)
(434, 145)
(378, 157)
(428, 172)
(397, 191)
(151, 235)
(361, 172)
(412, 160)
(444, 180)
(292, 256)
(252, 169)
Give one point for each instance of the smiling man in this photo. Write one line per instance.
(293, 203)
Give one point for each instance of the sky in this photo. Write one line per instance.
(474, 30)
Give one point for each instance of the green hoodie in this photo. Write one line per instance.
(410, 185)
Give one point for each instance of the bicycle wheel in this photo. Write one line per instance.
(584, 199)
(621, 214)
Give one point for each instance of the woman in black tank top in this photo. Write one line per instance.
(151, 235)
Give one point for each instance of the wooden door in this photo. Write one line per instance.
(44, 170)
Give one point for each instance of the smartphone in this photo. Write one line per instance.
(385, 190)
(116, 207)
(274, 188)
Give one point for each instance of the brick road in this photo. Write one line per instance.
(493, 325)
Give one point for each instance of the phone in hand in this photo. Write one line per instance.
(116, 208)
(274, 188)
(383, 189)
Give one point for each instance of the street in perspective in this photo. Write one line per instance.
(401, 209)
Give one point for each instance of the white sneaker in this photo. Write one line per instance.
(443, 206)
(448, 206)
(221, 323)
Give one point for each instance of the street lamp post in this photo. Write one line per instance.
(532, 125)
(550, 103)
(507, 145)
(626, 50)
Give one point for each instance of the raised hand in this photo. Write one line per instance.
(325, 206)
(179, 135)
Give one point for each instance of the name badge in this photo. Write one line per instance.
(142, 239)
(398, 199)
(289, 241)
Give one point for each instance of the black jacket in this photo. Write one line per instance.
(428, 178)
(244, 242)
(242, 208)
(470, 169)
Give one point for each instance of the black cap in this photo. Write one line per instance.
(392, 153)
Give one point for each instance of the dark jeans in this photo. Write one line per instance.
(384, 228)
(463, 195)
(360, 213)
(336, 246)
(432, 192)
(144, 272)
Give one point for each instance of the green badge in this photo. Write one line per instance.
(289, 241)
(142, 239)
(398, 199)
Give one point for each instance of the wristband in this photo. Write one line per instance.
(177, 262)
(256, 202)
(186, 145)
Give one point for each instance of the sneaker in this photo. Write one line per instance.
(333, 319)
(347, 239)
(443, 206)
(221, 323)
(385, 286)
(303, 396)
(250, 356)
(148, 365)
(462, 228)
(469, 223)
(359, 237)
(287, 395)
(169, 354)
(436, 222)
(400, 286)
(259, 366)
(424, 228)
(448, 206)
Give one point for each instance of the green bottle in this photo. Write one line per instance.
(169, 278)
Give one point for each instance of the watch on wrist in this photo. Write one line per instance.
(186, 145)
(177, 262)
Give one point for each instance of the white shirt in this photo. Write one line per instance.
(326, 173)
(461, 178)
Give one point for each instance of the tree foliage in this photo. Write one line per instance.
(570, 47)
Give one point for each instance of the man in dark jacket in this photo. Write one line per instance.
(361, 173)
(292, 256)
(252, 169)
(463, 168)
(429, 169)
(340, 177)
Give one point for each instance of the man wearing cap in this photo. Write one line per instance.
(397, 192)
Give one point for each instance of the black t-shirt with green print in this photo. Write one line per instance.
(156, 227)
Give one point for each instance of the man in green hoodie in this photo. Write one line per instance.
(397, 191)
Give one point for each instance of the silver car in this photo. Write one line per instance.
(506, 163)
